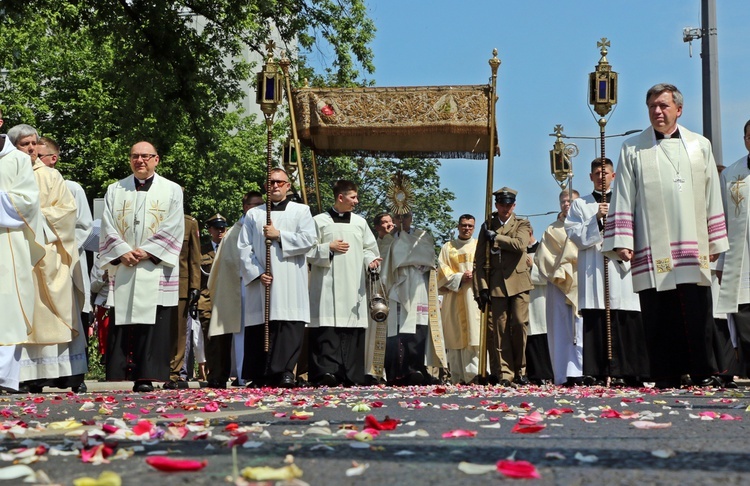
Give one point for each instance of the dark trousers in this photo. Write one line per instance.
(727, 357)
(680, 332)
(405, 354)
(629, 351)
(218, 354)
(139, 351)
(742, 326)
(538, 361)
(177, 339)
(338, 351)
(285, 345)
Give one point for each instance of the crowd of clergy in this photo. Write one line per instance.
(645, 278)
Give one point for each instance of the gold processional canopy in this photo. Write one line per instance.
(444, 122)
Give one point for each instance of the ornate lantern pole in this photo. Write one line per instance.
(561, 166)
(603, 96)
(268, 96)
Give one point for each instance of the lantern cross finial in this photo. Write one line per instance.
(604, 43)
(558, 130)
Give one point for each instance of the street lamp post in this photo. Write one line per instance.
(268, 96)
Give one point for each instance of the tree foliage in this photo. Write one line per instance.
(100, 75)
(373, 176)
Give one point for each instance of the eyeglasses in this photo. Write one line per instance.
(277, 183)
(145, 157)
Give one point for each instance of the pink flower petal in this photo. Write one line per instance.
(459, 433)
(518, 469)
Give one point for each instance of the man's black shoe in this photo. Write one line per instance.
(415, 378)
(143, 387)
(522, 380)
(573, 381)
(219, 385)
(287, 380)
(618, 383)
(327, 379)
(708, 382)
(504, 382)
(174, 385)
(82, 388)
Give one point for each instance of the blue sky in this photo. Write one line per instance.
(547, 49)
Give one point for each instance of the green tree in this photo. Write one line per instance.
(431, 206)
(98, 75)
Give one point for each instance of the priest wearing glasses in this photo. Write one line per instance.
(141, 236)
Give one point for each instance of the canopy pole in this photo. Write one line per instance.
(494, 65)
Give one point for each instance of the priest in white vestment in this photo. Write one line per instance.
(733, 267)
(460, 312)
(405, 273)
(667, 219)
(21, 248)
(143, 226)
(292, 235)
(557, 260)
(339, 308)
(628, 365)
(55, 353)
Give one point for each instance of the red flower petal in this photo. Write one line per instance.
(167, 464)
(527, 429)
(517, 469)
(387, 424)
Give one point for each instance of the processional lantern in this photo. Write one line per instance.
(268, 96)
(560, 157)
(603, 83)
(270, 82)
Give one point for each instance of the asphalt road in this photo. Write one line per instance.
(571, 436)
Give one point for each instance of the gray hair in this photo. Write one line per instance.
(21, 131)
(660, 88)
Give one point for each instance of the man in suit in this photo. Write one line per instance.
(190, 280)
(505, 288)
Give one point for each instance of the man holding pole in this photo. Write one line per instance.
(292, 234)
(506, 288)
(629, 361)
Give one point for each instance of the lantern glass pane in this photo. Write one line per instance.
(602, 91)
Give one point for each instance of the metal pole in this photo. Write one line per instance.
(269, 166)
(710, 65)
(494, 65)
(300, 166)
(607, 308)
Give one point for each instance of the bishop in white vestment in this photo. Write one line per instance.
(666, 217)
(143, 226)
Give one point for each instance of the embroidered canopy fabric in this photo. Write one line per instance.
(433, 121)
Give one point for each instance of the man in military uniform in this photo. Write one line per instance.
(189, 291)
(505, 289)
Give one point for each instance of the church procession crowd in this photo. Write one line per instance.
(644, 279)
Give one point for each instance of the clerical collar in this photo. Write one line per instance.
(662, 136)
(598, 195)
(143, 185)
(279, 206)
(338, 217)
